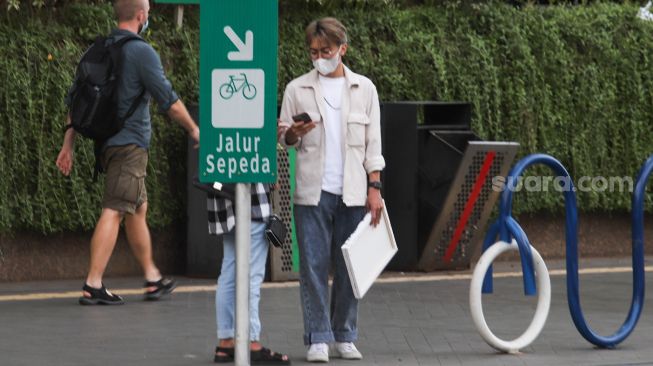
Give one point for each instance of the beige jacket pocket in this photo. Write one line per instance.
(356, 125)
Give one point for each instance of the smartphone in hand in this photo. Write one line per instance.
(302, 117)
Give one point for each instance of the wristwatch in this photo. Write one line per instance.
(375, 184)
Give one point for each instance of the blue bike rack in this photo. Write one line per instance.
(506, 228)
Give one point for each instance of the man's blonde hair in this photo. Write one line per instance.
(125, 10)
(327, 29)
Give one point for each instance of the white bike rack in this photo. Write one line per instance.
(543, 302)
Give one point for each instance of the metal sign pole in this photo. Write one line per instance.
(243, 243)
(238, 117)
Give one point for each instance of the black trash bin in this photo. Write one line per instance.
(438, 182)
(423, 144)
(203, 251)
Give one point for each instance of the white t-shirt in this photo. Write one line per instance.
(332, 90)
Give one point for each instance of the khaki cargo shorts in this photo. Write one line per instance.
(125, 169)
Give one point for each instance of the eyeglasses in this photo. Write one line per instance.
(326, 52)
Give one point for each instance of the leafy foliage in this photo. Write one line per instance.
(571, 81)
(35, 78)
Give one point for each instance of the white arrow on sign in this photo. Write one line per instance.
(245, 50)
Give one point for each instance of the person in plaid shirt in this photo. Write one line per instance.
(222, 221)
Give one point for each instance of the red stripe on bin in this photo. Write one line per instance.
(469, 205)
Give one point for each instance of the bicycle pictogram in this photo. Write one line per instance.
(228, 89)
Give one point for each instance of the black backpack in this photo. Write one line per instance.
(94, 107)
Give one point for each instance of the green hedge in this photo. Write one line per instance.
(574, 82)
(43, 51)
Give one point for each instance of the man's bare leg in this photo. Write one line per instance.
(138, 235)
(102, 244)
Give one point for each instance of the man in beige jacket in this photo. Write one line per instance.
(338, 171)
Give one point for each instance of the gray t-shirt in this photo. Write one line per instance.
(141, 69)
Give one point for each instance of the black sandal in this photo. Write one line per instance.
(163, 286)
(99, 296)
(227, 357)
(265, 356)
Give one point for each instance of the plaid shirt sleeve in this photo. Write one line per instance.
(222, 218)
(261, 208)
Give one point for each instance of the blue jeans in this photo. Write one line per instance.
(225, 296)
(321, 231)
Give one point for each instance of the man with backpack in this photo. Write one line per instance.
(138, 74)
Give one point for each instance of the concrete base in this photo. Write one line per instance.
(29, 256)
(600, 235)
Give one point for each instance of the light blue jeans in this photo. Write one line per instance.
(321, 231)
(225, 296)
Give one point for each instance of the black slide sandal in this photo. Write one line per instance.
(163, 286)
(99, 296)
(265, 356)
(227, 357)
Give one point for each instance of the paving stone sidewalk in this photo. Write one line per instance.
(423, 322)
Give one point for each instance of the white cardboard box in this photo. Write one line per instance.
(368, 251)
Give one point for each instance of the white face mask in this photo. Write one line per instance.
(326, 66)
(143, 27)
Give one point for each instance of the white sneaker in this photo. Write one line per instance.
(347, 350)
(318, 352)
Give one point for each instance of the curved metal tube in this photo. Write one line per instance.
(637, 302)
(506, 227)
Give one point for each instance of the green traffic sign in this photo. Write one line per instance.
(238, 86)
